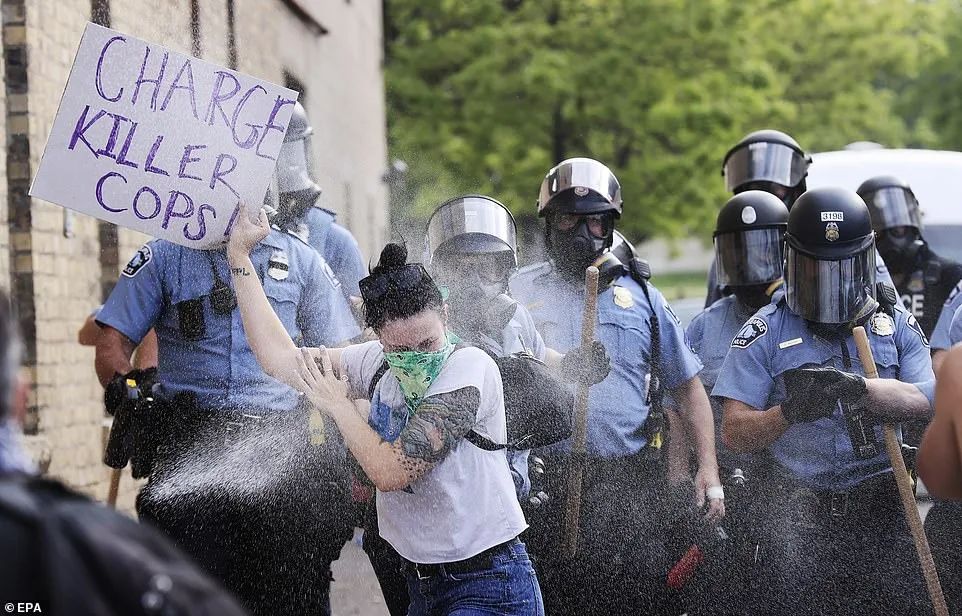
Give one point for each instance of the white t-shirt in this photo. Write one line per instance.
(467, 503)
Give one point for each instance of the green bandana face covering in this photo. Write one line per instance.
(415, 370)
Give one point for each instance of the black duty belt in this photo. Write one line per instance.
(478, 562)
(870, 499)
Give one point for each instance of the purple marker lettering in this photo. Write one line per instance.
(100, 191)
(185, 69)
(172, 203)
(233, 219)
(141, 80)
(122, 156)
(108, 150)
(217, 97)
(186, 159)
(252, 136)
(218, 175)
(279, 103)
(100, 64)
(149, 163)
(201, 223)
(81, 128)
(157, 203)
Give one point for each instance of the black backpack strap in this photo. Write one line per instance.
(381, 370)
(483, 442)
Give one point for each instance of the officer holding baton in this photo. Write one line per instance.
(836, 541)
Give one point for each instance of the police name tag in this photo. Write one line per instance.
(752, 330)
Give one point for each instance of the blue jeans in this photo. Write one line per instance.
(509, 588)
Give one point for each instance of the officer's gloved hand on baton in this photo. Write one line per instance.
(589, 364)
(814, 393)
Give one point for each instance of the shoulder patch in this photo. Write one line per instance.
(138, 261)
(330, 274)
(753, 329)
(915, 327)
(672, 313)
(955, 291)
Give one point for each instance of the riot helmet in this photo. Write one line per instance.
(830, 257)
(749, 239)
(580, 199)
(896, 219)
(470, 248)
(295, 170)
(767, 160)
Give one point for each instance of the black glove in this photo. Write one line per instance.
(116, 391)
(814, 393)
(589, 364)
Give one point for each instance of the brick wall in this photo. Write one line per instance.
(58, 279)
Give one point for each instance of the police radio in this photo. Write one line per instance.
(861, 431)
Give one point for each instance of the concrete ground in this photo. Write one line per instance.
(355, 591)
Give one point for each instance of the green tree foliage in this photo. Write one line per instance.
(485, 95)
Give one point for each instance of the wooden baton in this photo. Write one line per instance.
(579, 448)
(114, 487)
(904, 483)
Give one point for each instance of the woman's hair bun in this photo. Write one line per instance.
(393, 256)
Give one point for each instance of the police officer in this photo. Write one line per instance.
(300, 211)
(791, 386)
(749, 240)
(947, 331)
(234, 481)
(772, 161)
(471, 251)
(922, 278)
(622, 556)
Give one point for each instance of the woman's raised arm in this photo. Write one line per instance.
(272, 345)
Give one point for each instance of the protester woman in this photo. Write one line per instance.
(448, 508)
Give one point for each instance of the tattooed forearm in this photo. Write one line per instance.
(240, 271)
(436, 428)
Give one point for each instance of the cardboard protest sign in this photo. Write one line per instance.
(161, 142)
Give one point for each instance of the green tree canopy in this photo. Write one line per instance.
(484, 96)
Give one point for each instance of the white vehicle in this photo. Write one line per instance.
(934, 175)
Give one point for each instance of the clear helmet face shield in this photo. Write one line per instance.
(750, 257)
(765, 162)
(894, 207)
(829, 291)
(471, 225)
(295, 166)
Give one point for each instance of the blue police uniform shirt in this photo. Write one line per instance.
(711, 333)
(942, 336)
(819, 454)
(617, 407)
(337, 246)
(218, 366)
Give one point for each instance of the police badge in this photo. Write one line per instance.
(277, 267)
(831, 231)
(882, 324)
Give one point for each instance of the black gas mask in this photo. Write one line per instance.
(292, 208)
(472, 281)
(754, 296)
(900, 248)
(576, 241)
